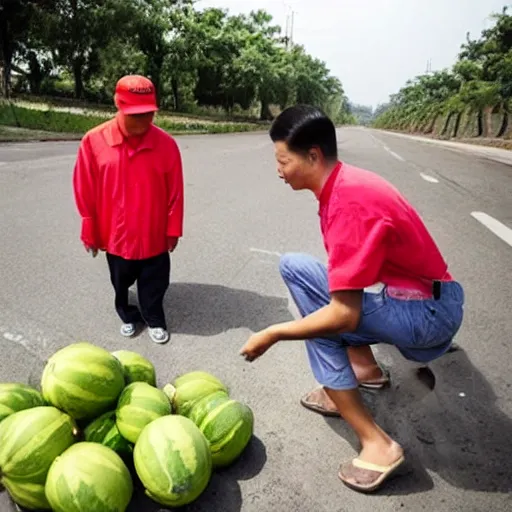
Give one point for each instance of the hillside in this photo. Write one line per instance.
(472, 100)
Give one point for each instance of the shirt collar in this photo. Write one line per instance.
(326, 191)
(115, 137)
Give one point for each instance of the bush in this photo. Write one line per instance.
(67, 122)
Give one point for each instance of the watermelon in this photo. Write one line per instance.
(16, 397)
(136, 368)
(30, 440)
(228, 425)
(173, 461)
(83, 380)
(187, 389)
(196, 375)
(29, 496)
(89, 477)
(103, 430)
(139, 405)
(206, 404)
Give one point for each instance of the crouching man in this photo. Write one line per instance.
(371, 235)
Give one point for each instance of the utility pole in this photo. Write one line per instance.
(286, 39)
(290, 18)
(291, 30)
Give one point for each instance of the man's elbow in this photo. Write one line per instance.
(351, 320)
(347, 308)
(346, 321)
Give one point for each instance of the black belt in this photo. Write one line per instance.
(436, 289)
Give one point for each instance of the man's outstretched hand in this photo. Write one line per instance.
(258, 344)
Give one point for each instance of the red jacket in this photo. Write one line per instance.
(130, 200)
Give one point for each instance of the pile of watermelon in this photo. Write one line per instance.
(99, 421)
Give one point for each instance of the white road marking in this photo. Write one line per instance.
(20, 339)
(396, 155)
(392, 153)
(429, 178)
(264, 251)
(497, 227)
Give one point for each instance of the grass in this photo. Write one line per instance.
(73, 122)
(201, 113)
(13, 134)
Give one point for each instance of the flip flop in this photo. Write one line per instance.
(317, 407)
(320, 409)
(379, 383)
(367, 477)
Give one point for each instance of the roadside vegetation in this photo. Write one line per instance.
(214, 72)
(472, 100)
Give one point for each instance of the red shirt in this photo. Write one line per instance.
(130, 196)
(372, 234)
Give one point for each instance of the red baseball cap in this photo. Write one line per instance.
(135, 94)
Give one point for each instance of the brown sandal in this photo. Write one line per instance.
(319, 408)
(367, 477)
(316, 406)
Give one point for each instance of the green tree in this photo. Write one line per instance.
(15, 18)
(195, 57)
(480, 81)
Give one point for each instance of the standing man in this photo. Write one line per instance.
(371, 235)
(128, 186)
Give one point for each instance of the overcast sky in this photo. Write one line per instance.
(374, 46)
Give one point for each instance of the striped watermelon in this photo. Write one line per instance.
(89, 477)
(30, 440)
(187, 389)
(136, 368)
(103, 430)
(16, 397)
(83, 380)
(206, 404)
(173, 461)
(227, 424)
(29, 496)
(139, 405)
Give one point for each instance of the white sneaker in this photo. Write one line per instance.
(127, 330)
(158, 335)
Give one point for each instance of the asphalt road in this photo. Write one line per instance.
(225, 284)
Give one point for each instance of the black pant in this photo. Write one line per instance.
(152, 276)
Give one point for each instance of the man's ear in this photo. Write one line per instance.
(314, 155)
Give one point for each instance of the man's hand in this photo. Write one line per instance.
(341, 315)
(258, 344)
(172, 242)
(92, 250)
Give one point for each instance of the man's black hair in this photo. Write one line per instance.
(303, 127)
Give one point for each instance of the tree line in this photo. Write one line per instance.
(479, 85)
(196, 58)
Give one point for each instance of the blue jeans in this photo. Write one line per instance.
(422, 330)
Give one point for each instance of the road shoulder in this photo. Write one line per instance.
(503, 156)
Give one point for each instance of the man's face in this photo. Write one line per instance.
(293, 168)
(138, 124)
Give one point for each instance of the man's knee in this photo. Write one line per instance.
(330, 364)
(293, 264)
